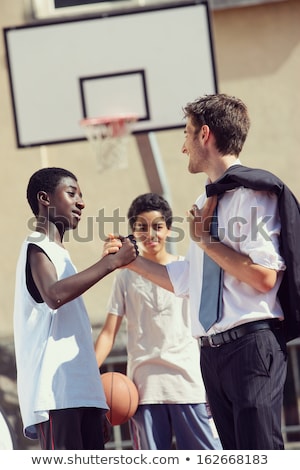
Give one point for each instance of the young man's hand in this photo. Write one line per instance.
(112, 244)
(200, 220)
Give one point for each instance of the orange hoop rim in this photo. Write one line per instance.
(121, 118)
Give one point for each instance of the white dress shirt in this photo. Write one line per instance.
(248, 223)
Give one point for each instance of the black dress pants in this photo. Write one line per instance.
(244, 381)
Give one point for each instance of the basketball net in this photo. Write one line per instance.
(109, 137)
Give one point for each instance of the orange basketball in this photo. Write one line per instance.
(121, 397)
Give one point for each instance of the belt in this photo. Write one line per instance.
(228, 336)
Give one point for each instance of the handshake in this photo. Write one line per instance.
(114, 242)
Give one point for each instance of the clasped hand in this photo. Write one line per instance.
(115, 242)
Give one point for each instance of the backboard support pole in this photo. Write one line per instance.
(152, 163)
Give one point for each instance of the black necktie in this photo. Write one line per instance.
(210, 310)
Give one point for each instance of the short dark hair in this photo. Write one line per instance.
(149, 202)
(45, 179)
(226, 116)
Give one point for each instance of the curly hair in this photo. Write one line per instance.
(149, 202)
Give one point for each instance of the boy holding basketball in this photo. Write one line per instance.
(163, 358)
(60, 394)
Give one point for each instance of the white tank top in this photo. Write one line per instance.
(56, 364)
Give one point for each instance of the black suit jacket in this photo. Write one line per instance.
(289, 211)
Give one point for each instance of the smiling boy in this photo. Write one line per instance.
(60, 393)
(163, 358)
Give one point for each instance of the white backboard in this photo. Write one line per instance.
(148, 61)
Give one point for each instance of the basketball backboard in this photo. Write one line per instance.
(149, 61)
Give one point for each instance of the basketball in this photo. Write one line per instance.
(121, 397)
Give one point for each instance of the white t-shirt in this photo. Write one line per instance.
(56, 363)
(163, 357)
(249, 223)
